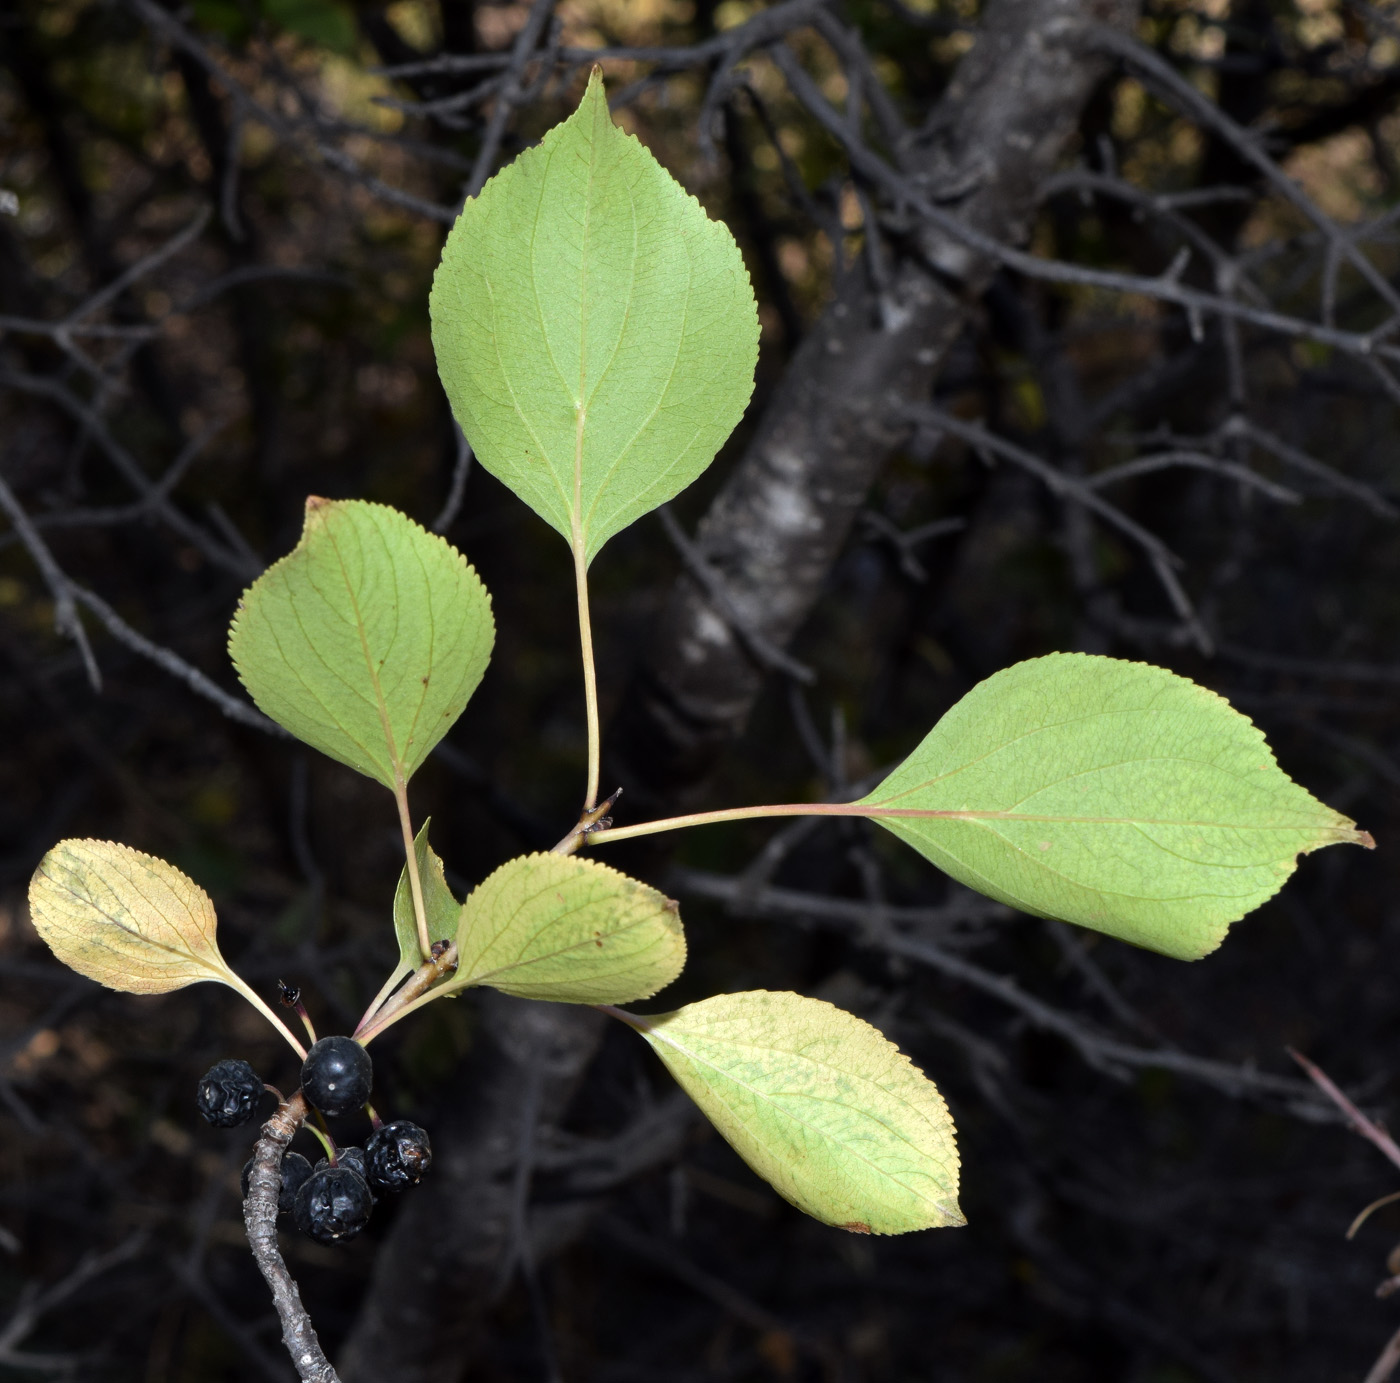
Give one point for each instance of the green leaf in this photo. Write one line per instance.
(326, 22)
(442, 909)
(1112, 794)
(558, 927)
(366, 640)
(819, 1104)
(595, 331)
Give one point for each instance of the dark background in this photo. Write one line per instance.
(213, 283)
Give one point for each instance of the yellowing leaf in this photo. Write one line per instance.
(557, 927)
(819, 1104)
(124, 919)
(131, 921)
(367, 639)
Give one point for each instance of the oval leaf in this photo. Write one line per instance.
(127, 920)
(558, 927)
(595, 331)
(1112, 794)
(366, 640)
(818, 1103)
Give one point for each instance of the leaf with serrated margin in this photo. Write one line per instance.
(125, 919)
(1112, 794)
(595, 331)
(441, 907)
(557, 927)
(367, 639)
(819, 1104)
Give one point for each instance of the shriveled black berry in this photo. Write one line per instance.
(337, 1075)
(228, 1094)
(295, 1170)
(398, 1154)
(333, 1205)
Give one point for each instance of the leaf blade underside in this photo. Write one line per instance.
(570, 930)
(820, 1104)
(595, 331)
(367, 640)
(1112, 794)
(126, 919)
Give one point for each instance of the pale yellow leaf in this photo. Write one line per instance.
(128, 920)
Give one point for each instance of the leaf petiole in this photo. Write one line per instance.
(677, 823)
(415, 878)
(246, 990)
(585, 636)
(414, 994)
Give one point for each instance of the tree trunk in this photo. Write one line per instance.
(782, 518)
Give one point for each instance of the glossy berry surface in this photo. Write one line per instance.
(228, 1094)
(398, 1154)
(295, 1172)
(354, 1158)
(337, 1075)
(333, 1205)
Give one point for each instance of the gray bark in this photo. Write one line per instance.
(774, 533)
(780, 521)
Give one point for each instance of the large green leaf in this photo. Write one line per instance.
(1112, 794)
(558, 927)
(595, 331)
(367, 639)
(819, 1104)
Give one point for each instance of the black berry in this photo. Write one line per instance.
(337, 1075)
(354, 1158)
(228, 1094)
(295, 1170)
(333, 1205)
(398, 1154)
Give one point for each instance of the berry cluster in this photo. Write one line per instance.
(331, 1201)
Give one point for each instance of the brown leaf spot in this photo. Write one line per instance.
(598, 940)
(856, 1227)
